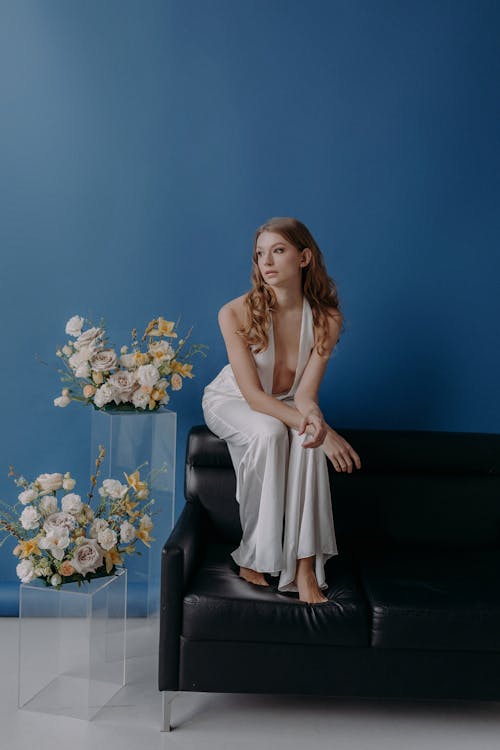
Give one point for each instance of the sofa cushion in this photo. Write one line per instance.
(434, 601)
(219, 605)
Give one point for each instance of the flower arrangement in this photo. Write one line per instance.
(72, 541)
(137, 379)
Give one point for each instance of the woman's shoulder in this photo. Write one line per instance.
(234, 310)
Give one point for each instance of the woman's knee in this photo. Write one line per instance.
(270, 428)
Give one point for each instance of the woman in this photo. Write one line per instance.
(279, 337)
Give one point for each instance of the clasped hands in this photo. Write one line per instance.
(339, 451)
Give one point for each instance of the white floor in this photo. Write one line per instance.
(131, 721)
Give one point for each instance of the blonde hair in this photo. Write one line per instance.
(317, 286)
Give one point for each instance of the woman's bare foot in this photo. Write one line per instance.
(253, 576)
(307, 583)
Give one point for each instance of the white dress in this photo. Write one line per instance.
(282, 488)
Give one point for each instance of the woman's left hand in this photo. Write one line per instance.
(316, 427)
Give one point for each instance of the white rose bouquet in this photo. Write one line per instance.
(134, 379)
(66, 539)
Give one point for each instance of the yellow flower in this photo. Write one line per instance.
(29, 547)
(184, 370)
(129, 508)
(134, 481)
(141, 358)
(145, 527)
(163, 328)
(112, 557)
(143, 535)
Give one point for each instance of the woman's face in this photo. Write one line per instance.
(278, 260)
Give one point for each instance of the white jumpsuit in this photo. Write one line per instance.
(277, 480)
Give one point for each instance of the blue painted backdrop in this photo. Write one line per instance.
(142, 143)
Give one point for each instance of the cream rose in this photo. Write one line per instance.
(113, 488)
(27, 496)
(74, 325)
(88, 339)
(59, 520)
(107, 538)
(103, 360)
(127, 532)
(30, 517)
(71, 504)
(88, 557)
(62, 401)
(123, 383)
(98, 525)
(49, 482)
(148, 375)
(48, 505)
(25, 571)
(104, 395)
(68, 481)
(140, 397)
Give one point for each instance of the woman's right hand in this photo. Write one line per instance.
(340, 452)
(316, 427)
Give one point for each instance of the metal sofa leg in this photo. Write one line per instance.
(167, 698)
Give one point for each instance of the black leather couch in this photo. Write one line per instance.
(415, 589)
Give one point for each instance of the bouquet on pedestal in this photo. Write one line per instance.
(63, 539)
(139, 378)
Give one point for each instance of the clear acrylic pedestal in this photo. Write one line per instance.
(132, 438)
(72, 652)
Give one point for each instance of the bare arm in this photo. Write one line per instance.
(246, 374)
(337, 449)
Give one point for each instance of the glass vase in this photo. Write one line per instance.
(72, 645)
(131, 439)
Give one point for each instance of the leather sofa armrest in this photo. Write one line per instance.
(180, 556)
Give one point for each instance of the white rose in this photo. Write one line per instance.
(55, 580)
(81, 358)
(68, 482)
(148, 375)
(103, 360)
(49, 482)
(48, 505)
(27, 496)
(29, 517)
(103, 395)
(25, 571)
(71, 504)
(123, 383)
(63, 400)
(59, 520)
(83, 370)
(56, 542)
(74, 325)
(107, 538)
(127, 532)
(140, 398)
(113, 488)
(88, 557)
(128, 361)
(88, 338)
(99, 525)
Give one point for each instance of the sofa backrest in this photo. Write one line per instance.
(415, 489)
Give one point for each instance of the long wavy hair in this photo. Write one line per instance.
(317, 286)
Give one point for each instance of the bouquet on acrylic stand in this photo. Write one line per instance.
(134, 379)
(62, 540)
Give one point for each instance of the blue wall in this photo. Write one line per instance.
(142, 143)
